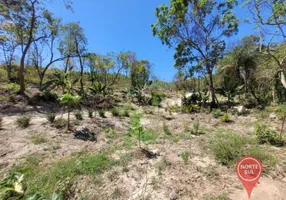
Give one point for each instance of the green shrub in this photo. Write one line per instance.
(1, 123)
(38, 139)
(78, 116)
(102, 113)
(115, 112)
(60, 123)
(110, 133)
(51, 117)
(12, 87)
(90, 113)
(267, 136)
(229, 147)
(166, 129)
(190, 108)
(157, 98)
(185, 156)
(196, 127)
(24, 121)
(217, 113)
(225, 118)
(124, 113)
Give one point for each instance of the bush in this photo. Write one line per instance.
(90, 113)
(267, 136)
(12, 87)
(60, 123)
(51, 117)
(196, 127)
(225, 118)
(229, 147)
(1, 123)
(157, 98)
(102, 113)
(217, 113)
(78, 116)
(190, 108)
(24, 121)
(115, 112)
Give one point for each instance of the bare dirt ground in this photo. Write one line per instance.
(165, 177)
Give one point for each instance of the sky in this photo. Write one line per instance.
(125, 25)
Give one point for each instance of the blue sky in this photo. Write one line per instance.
(113, 26)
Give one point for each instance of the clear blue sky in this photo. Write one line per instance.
(118, 25)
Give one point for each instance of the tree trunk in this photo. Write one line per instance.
(283, 81)
(81, 75)
(21, 73)
(211, 87)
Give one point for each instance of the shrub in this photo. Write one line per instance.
(38, 139)
(13, 87)
(1, 123)
(60, 123)
(267, 136)
(196, 127)
(217, 113)
(157, 98)
(229, 147)
(166, 129)
(24, 121)
(78, 116)
(225, 118)
(115, 112)
(185, 156)
(90, 113)
(51, 117)
(102, 113)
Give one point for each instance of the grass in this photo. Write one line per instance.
(120, 112)
(266, 136)
(39, 138)
(51, 117)
(229, 147)
(215, 197)
(185, 156)
(102, 113)
(57, 177)
(23, 122)
(60, 123)
(166, 129)
(225, 118)
(78, 116)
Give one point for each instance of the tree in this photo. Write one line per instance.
(197, 30)
(140, 73)
(269, 17)
(74, 45)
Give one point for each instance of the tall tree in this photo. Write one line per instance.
(197, 29)
(74, 45)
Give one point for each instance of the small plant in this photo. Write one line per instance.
(13, 87)
(78, 116)
(267, 136)
(38, 139)
(24, 121)
(110, 133)
(115, 112)
(166, 129)
(225, 118)
(1, 123)
(59, 123)
(217, 113)
(196, 127)
(51, 117)
(185, 156)
(102, 113)
(90, 113)
(11, 187)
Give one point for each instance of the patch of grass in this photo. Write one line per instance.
(102, 113)
(58, 176)
(214, 197)
(166, 129)
(267, 136)
(185, 156)
(78, 116)
(229, 147)
(12, 87)
(39, 138)
(60, 123)
(217, 113)
(196, 128)
(51, 117)
(225, 118)
(115, 112)
(116, 193)
(24, 121)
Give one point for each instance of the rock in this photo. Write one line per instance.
(241, 109)
(173, 195)
(187, 95)
(272, 116)
(85, 134)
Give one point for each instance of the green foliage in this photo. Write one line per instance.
(120, 112)
(267, 136)
(12, 186)
(24, 121)
(110, 133)
(217, 197)
(51, 117)
(102, 113)
(38, 139)
(225, 118)
(115, 112)
(78, 116)
(217, 113)
(196, 128)
(156, 98)
(90, 113)
(98, 88)
(229, 147)
(190, 108)
(185, 156)
(12, 87)
(69, 99)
